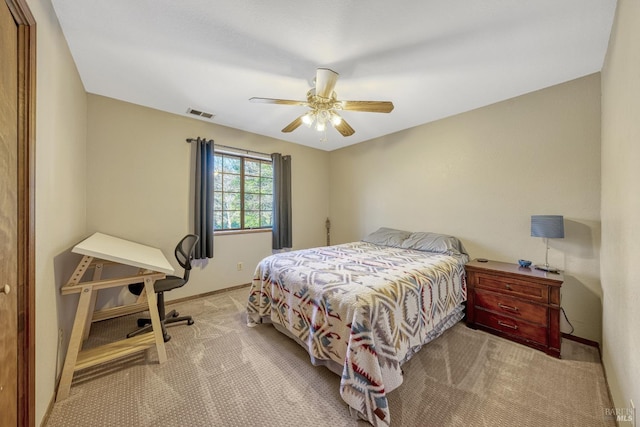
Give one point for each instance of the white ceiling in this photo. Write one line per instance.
(431, 58)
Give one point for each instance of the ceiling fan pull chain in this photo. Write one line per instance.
(323, 138)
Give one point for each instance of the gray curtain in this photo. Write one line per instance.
(281, 201)
(203, 208)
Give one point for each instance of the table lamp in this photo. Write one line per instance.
(547, 227)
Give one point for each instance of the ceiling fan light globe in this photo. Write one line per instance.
(336, 119)
(320, 126)
(307, 119)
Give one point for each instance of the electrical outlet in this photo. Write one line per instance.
(239, 266)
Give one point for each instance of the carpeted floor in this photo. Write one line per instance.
(221, 373)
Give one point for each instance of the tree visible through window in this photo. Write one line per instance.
(243, 192)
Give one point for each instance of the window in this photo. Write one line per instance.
(243, 192)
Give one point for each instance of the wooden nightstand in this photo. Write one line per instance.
(520, 304)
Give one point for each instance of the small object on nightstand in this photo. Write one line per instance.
(552, 270)
(482, 260)
(524, 263)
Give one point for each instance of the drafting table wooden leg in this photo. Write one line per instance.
(80, 270)
(143, 295)
(75, 343)
(97, 274)
(155, 319)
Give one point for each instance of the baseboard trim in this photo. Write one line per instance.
(584, 341)
(207, 294)
(581, 340)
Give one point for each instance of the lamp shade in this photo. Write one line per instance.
(549, 226)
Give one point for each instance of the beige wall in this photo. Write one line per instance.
(61, 111)
(139, 187)
(481, 175)
(621, 206)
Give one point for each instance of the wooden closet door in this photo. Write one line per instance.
(8, 218)
(17, 214)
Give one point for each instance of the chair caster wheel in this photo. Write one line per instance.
(190, 322)
(166, 337)
(142, 322)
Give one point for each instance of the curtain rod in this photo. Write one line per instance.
(234, 148)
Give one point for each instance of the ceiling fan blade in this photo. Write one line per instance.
(343, 127)
(278, 101)
(325, 82)
(293, 125)
(368, 106)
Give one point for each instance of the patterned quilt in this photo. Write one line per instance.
(368, 308)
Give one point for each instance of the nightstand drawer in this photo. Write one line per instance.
(512, 326)
(507, 306)
(514, 287)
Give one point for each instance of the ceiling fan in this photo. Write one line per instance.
(324, 105)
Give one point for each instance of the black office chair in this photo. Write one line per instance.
(184, 253)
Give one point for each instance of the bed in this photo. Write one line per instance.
(364, 308)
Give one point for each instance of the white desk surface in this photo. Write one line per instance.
(122, 251)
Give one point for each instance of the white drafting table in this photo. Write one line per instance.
(122, 251)
(100, 250)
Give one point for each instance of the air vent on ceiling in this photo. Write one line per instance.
(200, 113)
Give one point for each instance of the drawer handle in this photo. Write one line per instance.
(508, 307)
(506, 325)
(508, 287)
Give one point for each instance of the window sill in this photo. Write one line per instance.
(247, 231)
